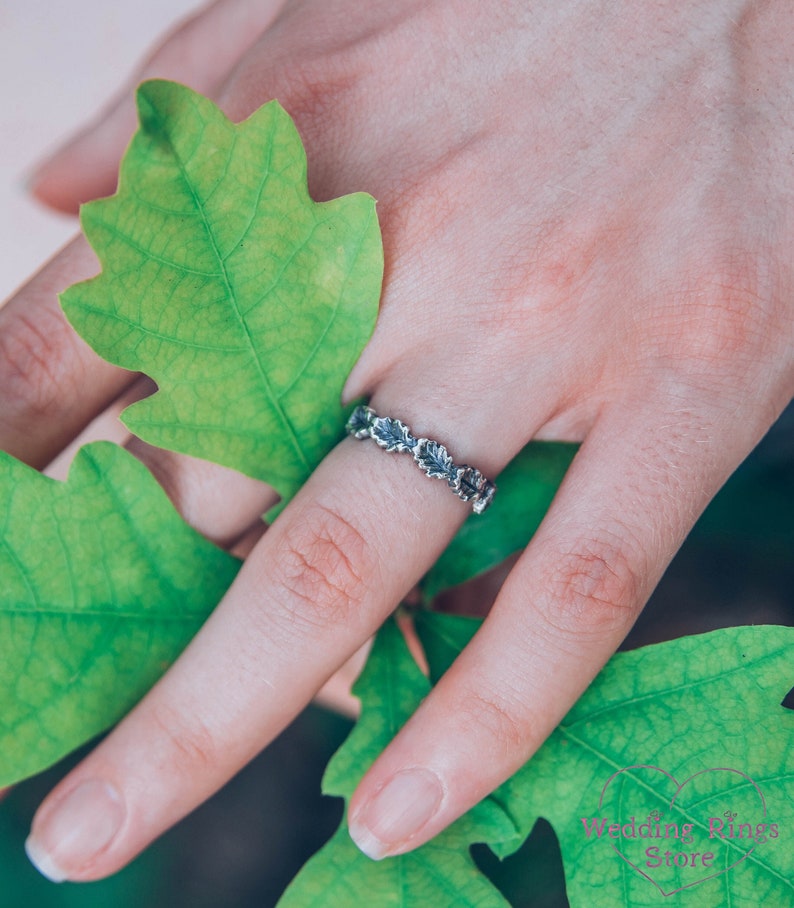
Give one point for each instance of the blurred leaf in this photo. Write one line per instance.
(247, 302)
(443, 638)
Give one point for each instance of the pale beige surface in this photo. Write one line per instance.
(59, 61)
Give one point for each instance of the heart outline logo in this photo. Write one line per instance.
(679, 786)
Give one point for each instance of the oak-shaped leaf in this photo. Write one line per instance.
(360, 421)
(103, 585)
(441, 873)
(392, 435)
(435, 460)
(678, 733)
(245, 301)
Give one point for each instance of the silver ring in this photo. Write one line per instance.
(393, 435)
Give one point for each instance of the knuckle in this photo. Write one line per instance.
(189, 746)
(592, 590)
(497, 719)
(322, 561)
(314, 84)
(33, 361)
(729, 306)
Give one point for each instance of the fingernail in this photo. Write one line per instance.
(397, 812)
(75, 831)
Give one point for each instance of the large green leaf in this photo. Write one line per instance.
(525, 490)
(103, 585)
(704, 711)
(247, 302)
(440, 873)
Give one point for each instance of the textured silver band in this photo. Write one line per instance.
(393, 435)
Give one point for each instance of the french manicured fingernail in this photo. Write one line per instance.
(397, 812)
(75, 831)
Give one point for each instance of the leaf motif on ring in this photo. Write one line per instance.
(392, 434)
(469, 483)
(486, 495)
(433, 458)
(360, 422)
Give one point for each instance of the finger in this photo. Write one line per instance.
(199, 52)
(51, 383)
(629, 499)
(356, 538)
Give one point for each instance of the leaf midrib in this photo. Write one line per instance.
(224, 273)
(53, 611)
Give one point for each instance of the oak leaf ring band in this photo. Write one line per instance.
(393, 435)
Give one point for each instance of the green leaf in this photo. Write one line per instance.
(525, 490)
(247, 302)
(100, 593)
(440, 873)
(688, 708)
(443, 638)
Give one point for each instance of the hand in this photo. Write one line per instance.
(588, 222)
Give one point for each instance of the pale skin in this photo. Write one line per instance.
(588, 219)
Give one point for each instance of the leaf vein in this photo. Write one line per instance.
(232, 297)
